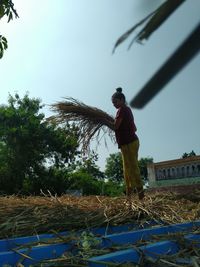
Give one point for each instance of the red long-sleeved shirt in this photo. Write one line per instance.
(125, 134)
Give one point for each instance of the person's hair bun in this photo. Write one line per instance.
(119, 90)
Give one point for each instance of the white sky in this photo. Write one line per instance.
(63, 48)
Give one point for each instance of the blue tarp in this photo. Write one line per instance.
(11, 251)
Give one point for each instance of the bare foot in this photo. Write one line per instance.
(141, 194)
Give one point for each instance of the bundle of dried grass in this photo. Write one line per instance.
(90, 121)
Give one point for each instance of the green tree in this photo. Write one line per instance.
(54, 180)
(85, 182)
(112, 188)
(6, 9)
(89, 186)
(186, 155)
(113, 168)
(88, 165)
(86, 176)
(29, 143)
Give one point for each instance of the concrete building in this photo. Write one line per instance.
(174, 172)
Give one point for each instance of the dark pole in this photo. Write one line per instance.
(189, 48)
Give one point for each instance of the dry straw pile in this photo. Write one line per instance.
(26, 216)
(90, 121)
(50, 214)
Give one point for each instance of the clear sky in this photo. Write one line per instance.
(64, 48)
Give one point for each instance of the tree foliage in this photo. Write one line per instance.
(112, 188)
(84, 182)
(29, 144)
(190, 154)
(114, 168)
(6, 9)
(88, 165)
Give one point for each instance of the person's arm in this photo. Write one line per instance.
(114, 125)
(117, 122)
(119, 118)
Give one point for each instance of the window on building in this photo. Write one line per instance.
(193, 170)
(164, 174)
(177, 172)
(182, 171)
(188, 170)
(198, 169)
(160, 176)
(168, 173)
(173, 172)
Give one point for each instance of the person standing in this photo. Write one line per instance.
(128, 142)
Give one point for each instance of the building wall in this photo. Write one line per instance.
(182, 169)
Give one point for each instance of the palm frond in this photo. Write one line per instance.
(90, 121)
(128, 33)
(153, 21)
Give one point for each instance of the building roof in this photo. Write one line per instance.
(171, 163)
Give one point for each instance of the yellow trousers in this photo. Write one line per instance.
(130, 167)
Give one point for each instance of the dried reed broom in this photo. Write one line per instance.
(90, 121)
